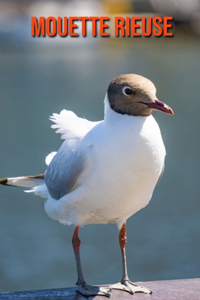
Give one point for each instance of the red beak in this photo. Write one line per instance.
(158, 105)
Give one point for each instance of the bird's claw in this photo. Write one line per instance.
(89, 290)
(130, 287)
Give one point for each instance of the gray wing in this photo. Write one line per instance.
(63, 173)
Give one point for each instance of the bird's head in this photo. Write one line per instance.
(135, 95)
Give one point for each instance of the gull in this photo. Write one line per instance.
(106, 171)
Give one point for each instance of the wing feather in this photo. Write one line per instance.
(70, 126)
(67, 166)
(63, 174)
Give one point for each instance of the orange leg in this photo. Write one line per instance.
(125, 284)
(85, 289)
(76, 245)
(122, 243)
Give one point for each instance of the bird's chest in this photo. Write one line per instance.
(128, 164)
(133, 151)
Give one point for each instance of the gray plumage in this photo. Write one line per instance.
(65, 169)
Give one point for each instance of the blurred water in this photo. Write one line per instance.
(163, 238)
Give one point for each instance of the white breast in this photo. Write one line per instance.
(127, 159)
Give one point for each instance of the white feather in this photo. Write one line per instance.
(49, 157)
(40, 190)
(70, 126)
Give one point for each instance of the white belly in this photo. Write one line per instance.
(125, 168)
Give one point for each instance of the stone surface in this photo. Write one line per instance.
(185, 289)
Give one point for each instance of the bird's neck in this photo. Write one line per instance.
(111, 116)
(109, 113)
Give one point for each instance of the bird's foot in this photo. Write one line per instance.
(130, 287)
(90, 290)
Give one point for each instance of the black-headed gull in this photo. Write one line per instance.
(105, 171)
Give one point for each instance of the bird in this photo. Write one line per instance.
(105, 171)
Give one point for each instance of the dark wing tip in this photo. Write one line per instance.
(40, 176)
(4, 181)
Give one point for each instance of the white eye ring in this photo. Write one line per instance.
(127, 91)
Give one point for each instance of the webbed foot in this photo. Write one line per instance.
(130, 287)
(89, 290)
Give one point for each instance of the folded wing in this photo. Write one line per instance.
(66, 170)
(65, 167)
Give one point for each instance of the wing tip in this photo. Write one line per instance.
(16, 181)
(4, 181)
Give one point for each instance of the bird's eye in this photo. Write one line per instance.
(127, 91)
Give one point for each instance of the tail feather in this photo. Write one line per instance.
(24, 181)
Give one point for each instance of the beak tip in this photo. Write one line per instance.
(161, 106)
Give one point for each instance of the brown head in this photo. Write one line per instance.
(135, 95)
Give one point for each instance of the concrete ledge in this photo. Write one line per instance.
(185, 289)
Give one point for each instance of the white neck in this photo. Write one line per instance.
(109, 113)
(111, 116)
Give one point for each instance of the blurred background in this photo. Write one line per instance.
(39, 76)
